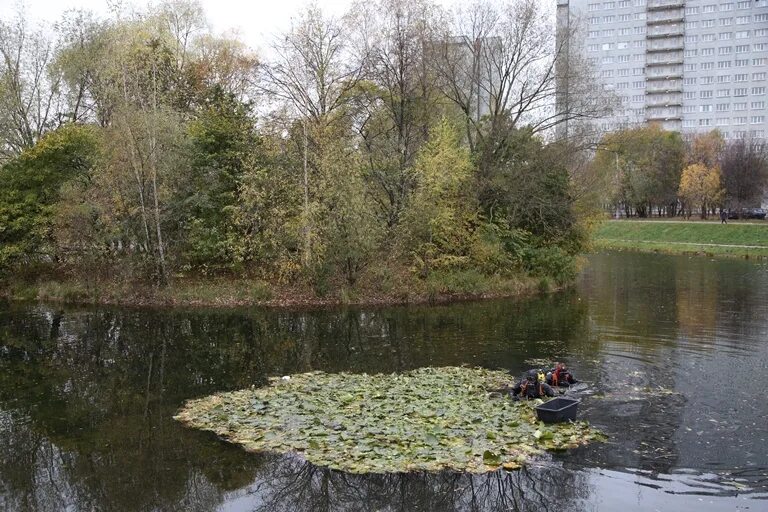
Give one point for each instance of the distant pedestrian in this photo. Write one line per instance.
(723, 217)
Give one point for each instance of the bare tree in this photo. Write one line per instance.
(29, 94)
(312, 73)
(396, 113)
(502, 64)
(744, 166)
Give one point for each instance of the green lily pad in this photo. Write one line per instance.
(430, 419)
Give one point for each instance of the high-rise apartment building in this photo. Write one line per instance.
(690, 65)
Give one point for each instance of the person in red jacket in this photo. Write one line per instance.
(560, 376)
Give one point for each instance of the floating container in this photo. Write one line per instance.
(557, 410)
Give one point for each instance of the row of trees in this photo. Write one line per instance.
(379, 142)
(648, 170)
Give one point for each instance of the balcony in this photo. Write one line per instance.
(659, 5)
(659, 31)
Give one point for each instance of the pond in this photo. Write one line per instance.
(674, 350)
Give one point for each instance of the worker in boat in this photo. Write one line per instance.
(560, 375)
(531, 387)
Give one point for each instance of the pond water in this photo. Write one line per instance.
(674, 351)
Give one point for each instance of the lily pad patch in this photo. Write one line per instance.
(429, 419)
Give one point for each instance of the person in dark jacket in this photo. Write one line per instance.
(531, 387)
(560, 375)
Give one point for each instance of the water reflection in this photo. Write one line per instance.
(87, 394)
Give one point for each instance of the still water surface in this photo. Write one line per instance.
(674, 351)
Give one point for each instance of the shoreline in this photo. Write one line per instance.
(236, 294)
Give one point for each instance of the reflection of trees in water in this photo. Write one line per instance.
(299, 486)
(87, 396)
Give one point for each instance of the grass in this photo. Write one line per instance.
(742, 239)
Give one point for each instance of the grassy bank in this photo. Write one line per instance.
(738, 239)
(228, 292)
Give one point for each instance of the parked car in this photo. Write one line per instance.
(747, 213)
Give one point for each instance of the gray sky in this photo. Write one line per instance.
(255, 20)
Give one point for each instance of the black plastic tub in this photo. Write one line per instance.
(557, 410)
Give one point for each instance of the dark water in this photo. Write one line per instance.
(675, 351)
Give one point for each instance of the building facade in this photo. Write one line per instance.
(690, 65)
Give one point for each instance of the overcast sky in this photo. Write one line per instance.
(256, 20)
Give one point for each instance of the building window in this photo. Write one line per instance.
(723, 93)
(625, 31)
(691, 10)
(738, 92)
(723, 64)
(743, 5)
(624, 58)
(691, 39)
(690, 67)
(609, 5)
(689, 123)
(708, 38)
(758, 105)
(608, 19)
(690, 95)
(707, 65)
(594, 7)
(726, 7)
(707, 80)
(723, 107)
(741, 77)
(637, 71)
(725, 36)
(691, 53)
(760, 62)
(708, 23)
(709, 8)
(761, 32)
(742, 34)
(705, 122)
(724, 79)
(705, 95)
(706, 52)
(723, 121)
(622, 45)
(594, 21)
(705, 108)
(757, 120)
(638, 85)
(742, 48)
(760, 17)
(608, 33)
(724, 50)
(758, 76)
(740, 63)
(624, 3)
(624, 17)
(608, 46)
(740, 106)
(725, 22)
(739, 120)
(689, 81)
(743, 20)
(758, 90)
(691, 24)
(760, 47)
(607, 60)
(593, 34)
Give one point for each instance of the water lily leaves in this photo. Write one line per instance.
(430, 419)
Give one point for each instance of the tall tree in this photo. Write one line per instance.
(312, 74)
(29, 99)
(744, 164)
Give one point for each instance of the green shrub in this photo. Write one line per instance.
(551, 262)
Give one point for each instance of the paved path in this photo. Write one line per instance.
(684, 243)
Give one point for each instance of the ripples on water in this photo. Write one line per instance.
(673, 350)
